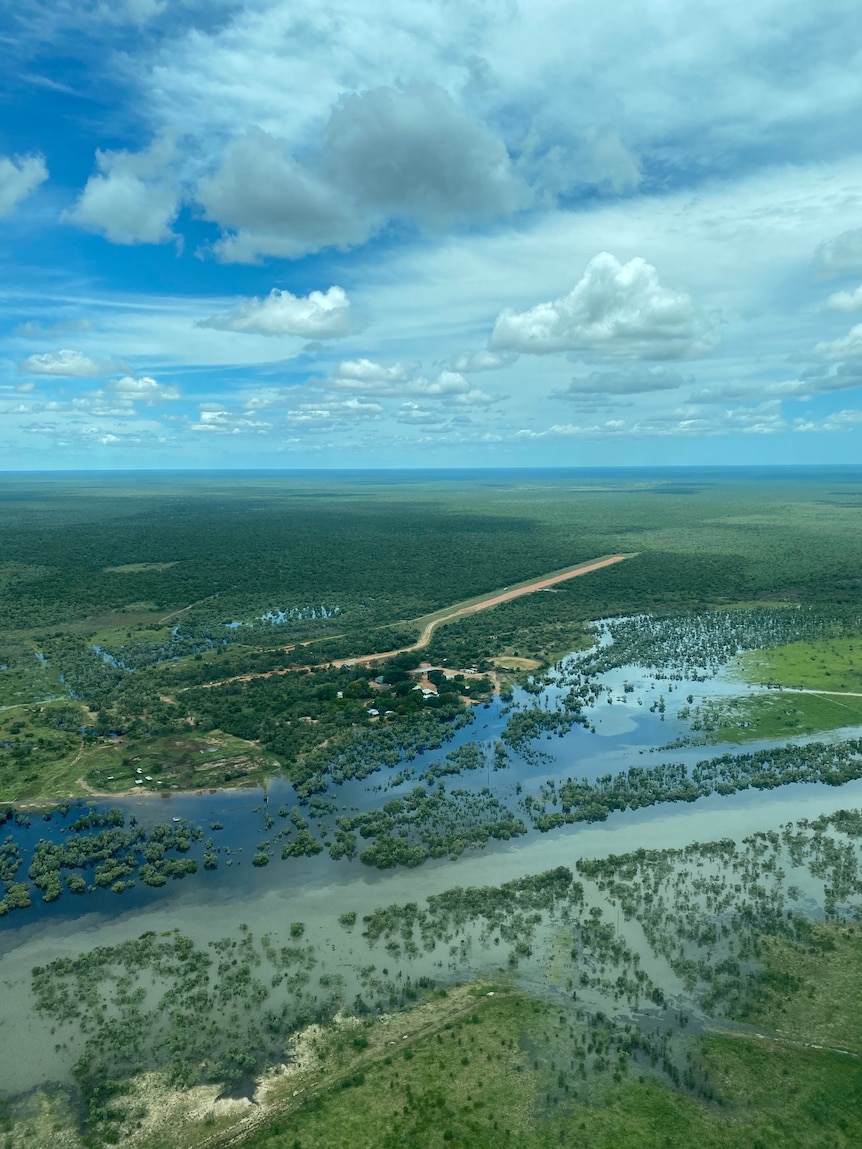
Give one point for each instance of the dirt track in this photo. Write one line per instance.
(493, 599)
(458, 610)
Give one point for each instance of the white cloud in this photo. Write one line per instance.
(840, 255)
(133, 199)
(742, 81)
(318, 315)
(688, 420)
(359, 408)
(416, 416)
(267, 398)
(19, 177)
(143, 389)
(845, 420)
(332, 416)
(615, 311)
(475, 397)
(485, 360)
(738, 242)
(217, 420)
(576, 430)
(446, 383)
(747, 391)
(849, 346)
(101, 403)
(845, 300)
(357, 373)
(116, 399)
(85, 430)
(814, 381)
(631, 381)
(365, 377)
(72, 364)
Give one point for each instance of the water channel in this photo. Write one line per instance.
(213, 904)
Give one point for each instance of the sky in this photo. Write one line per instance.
(432, 233)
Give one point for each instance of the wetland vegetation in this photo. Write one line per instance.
(661, 996)
(739, 964)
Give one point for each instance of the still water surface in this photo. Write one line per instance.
(213, 904)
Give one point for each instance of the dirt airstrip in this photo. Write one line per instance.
(430, 622)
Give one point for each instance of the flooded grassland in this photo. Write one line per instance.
(644, 885)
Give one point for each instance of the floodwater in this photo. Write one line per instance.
(211, 905)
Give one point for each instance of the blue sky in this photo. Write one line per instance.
(473, 233)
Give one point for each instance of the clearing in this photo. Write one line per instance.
(430, 622)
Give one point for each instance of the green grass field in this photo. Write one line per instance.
(777, 715)
(505, 1073)
(41, 760)
(825, 1006)
(184, 761)
(510, 1080)
(835, 664)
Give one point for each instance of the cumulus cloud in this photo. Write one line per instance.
(446, 383)
(815, 381)
(746, 391)
(72, 364)
(633, 381)
(19, 177)
(386, 153)
(687, 420)
(118, 398)
(576, 430)
(416, 416)
(845, 300)
(615, 311)
(434, 422)
(402, 381)
(143, 389)
(132, 199)
(269, 204)
(849, 346)
(415, 154)
(845, 420)
(475, 397)
(332, 416)
(362, 374)
(318, 315)
(365, 377)
(840, 255)
(486, 360)
(217, 420)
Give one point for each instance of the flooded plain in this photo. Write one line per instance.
(314, 891)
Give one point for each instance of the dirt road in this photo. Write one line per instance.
(473, 606)
(429, 622)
